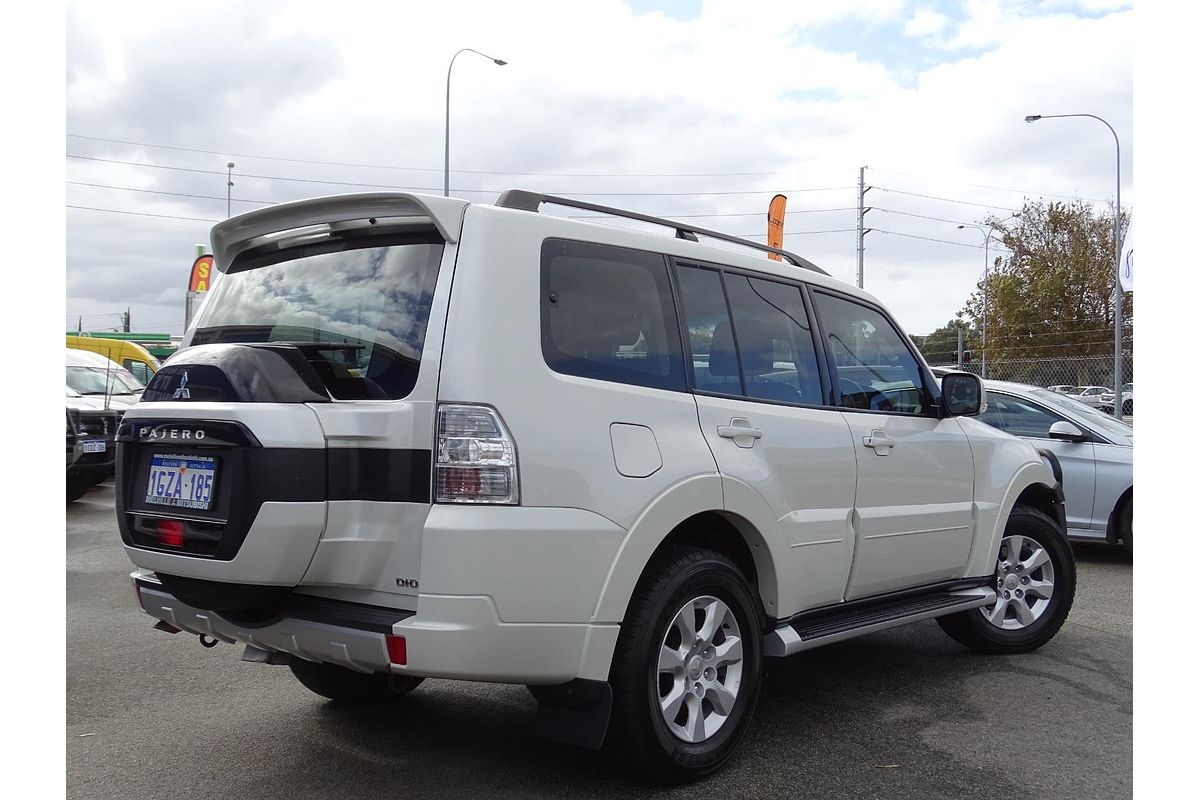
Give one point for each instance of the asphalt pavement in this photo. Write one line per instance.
(902, 713)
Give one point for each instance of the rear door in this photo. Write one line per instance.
(913, 515)
(762, 405)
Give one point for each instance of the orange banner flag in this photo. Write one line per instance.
(201, 269)
(775, 217)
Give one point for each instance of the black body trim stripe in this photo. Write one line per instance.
(392, 476)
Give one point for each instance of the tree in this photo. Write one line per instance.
(941, 347)
(1051, 297)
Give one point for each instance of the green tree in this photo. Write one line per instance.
(1051, 297)
(940, 348)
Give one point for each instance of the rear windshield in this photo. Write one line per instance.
(358, 310)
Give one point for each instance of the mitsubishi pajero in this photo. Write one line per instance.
(412, 437)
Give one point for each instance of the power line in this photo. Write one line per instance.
(428, 169)
(172, 194)
(469, 191)
(944, 199)
(943, 241)
(579, 216)
(793, 233)
(920, 216)
(670, 216)
(984, 186)
(140, 213)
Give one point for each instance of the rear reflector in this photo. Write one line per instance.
(397, 649)
(170, 532)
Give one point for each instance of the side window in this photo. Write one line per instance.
(775, 343)
(874, 369)
(706, 317)
(1022, 418)
(993, 415)
(607, 313)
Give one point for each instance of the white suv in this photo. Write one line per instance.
(415, 437)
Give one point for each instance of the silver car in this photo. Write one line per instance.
(1095, 450)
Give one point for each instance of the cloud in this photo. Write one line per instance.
(706, 115)
(925, 23)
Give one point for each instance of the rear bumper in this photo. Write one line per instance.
(458, 637)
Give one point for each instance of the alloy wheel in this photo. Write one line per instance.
(699, 669)
(1024, 584)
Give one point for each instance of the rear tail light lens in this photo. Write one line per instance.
(476, 457)
(170, 532)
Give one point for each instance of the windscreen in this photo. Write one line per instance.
(97, 380)
(357, 310)
(1092, 415)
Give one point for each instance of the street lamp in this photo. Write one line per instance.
(987, 263)
(498, 62)
(1118, 297)
(229, 189)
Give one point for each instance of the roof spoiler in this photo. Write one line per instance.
(246, 230)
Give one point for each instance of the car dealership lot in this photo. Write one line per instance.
(903, 711)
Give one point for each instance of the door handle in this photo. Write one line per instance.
(879, 442)
(740, 430)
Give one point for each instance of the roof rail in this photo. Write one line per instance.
(531, 201)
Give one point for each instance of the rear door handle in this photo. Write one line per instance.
(879, 442)
(740, 430)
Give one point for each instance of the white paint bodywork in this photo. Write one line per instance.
(535, 593)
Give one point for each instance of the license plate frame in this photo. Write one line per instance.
(179, 480)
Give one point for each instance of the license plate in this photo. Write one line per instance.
(94, 446)
(181, 481)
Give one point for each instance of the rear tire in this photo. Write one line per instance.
(690, 647)
(1127, 408)
(342, 685)
(1027, 618)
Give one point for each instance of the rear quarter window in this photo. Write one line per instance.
(608, 314)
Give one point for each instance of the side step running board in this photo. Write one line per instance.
(840, 624)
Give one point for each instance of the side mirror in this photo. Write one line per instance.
(1064, 431)
(962, 394)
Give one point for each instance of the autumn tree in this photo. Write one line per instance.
(1051, 296)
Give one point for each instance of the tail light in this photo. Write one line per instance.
(476, 457)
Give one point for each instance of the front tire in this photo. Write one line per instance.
(1125, 526)
(352, 688)
(687, 667)
(1035, 587)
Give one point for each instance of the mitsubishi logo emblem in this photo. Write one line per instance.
(183, 393)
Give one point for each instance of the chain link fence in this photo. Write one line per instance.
(1078, 371)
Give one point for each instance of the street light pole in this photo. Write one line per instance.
(229, 190)
(497, 62)
(1118, 295)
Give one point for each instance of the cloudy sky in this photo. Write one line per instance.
(676, 108)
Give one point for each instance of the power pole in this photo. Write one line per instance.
(960, 349)
(862, 212)
(125, 320)
(81, 324)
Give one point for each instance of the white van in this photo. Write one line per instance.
(415, 437)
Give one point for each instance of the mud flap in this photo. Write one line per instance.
(576, 712)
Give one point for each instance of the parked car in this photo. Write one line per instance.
(1090, 395)
(412, 436)
(1065, 389)
(130, 355)
(93, 375)
(1106, 400)
(91, 442)
(1095, 451)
